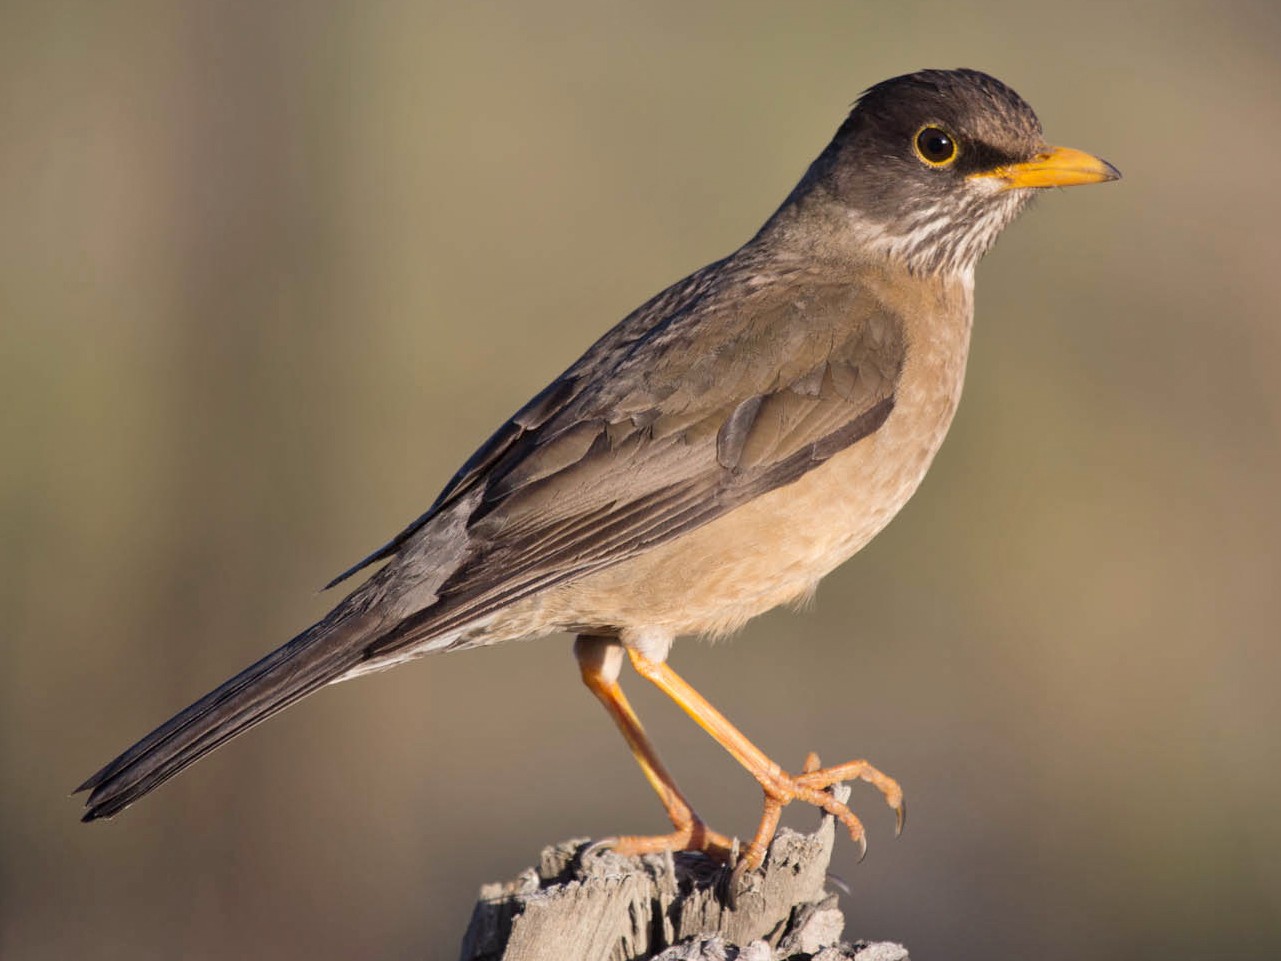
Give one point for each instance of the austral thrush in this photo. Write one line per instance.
(712, 456)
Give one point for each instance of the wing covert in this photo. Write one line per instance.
(660, 441)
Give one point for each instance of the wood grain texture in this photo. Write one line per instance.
(601, 907)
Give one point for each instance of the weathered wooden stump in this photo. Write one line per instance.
(579, 905)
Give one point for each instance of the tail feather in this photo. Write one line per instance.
(312, 659)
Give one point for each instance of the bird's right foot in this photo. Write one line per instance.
(811, 786)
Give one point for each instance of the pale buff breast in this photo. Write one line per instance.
(775, 548)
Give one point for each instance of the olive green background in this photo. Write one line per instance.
(269, 272)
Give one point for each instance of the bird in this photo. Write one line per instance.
(712, 456)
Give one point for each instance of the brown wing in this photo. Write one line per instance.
(661, 434)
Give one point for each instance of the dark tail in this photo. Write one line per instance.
(315, 657)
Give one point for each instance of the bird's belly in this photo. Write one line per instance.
(774, 549)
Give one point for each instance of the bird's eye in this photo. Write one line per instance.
(936, 147)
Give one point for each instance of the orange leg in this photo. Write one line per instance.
(599, 660)
(780, 787)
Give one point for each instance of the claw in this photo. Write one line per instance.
(900, 817)
(597, 848)
(861, 841)
(840, 884)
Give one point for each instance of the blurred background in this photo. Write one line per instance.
(253, 256)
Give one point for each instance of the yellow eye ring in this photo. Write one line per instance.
(935, 146)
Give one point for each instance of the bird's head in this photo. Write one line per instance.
(930, 167)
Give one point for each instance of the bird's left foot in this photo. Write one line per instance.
(811, 787)
(694, 835)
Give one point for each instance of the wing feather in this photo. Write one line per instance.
(641, 453)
